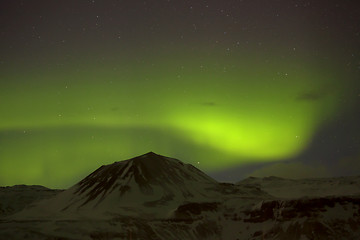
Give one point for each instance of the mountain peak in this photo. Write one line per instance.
(150, 154)
(150, 178)
(152, 165)
(146, 186)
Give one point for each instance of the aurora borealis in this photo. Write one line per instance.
(219, 85)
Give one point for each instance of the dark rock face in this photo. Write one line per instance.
(104, 179)
(285, 210)
(307, 217)
(195, 209)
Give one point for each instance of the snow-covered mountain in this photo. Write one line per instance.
(147, 186)
(156, 197)
(311, 187)
(16, 198)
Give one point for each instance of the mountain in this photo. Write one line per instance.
(147, 186)
(156, 197)
(149, 180)
(16, 198)
(311, 187)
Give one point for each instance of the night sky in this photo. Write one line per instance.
(236, 88)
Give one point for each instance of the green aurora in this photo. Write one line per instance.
(58, 124)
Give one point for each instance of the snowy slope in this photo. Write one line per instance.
(323, 218)
(315, 187)
(148, 186)
(155, 197)
(306, 218)
(16, 198)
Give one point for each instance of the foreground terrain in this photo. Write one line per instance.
(156, 197)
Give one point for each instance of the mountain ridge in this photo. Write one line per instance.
(156, 197)
(148, 185)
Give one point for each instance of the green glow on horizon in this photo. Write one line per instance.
(246, 111)
(251, 139)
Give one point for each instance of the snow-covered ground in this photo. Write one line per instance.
(16, 198)
(155, 197)
(312, 187)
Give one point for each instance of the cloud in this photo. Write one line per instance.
(292, 170)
